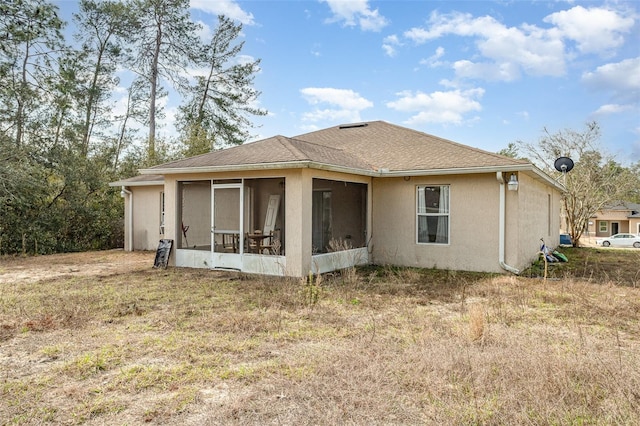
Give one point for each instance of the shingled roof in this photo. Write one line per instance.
(276, 150)
(365, 148)
(387, 146)
(140, 180)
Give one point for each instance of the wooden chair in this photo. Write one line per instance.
(230, 243)
(261, 241)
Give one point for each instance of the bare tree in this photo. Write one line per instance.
(595, 181)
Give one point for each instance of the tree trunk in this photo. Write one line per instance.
(151, 150)
(92, 95)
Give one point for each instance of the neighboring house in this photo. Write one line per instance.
(611, 220)
(353, 194)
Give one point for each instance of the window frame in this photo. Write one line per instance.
(606, 226)
(446, 214)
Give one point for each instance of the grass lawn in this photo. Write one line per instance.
(103, 339)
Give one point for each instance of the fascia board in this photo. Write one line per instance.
(144, 183)
(526, 168)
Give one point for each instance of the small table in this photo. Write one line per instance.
(257, 239)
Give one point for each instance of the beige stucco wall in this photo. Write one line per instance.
(538, 217)
(532, 213)
(473, 243)
(474, 223)
(146, 217)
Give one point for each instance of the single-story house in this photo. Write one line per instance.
(364, 193)
(614, 219)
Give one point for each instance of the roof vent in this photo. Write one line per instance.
(352, 126)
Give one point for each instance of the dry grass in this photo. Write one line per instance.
(380, 346)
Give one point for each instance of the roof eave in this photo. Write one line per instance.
(262, 166)
(535, 172)
(134, 183)
(529, 168)
(226, 168)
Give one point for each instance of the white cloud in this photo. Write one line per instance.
(433, 61)
(506, 71)
(356, 13)
(595, 30)
(389, 45)
(344, 98)
(438, 107)
(332, 115)
(508, 50)
(612, 109)
(461, 24)
(347, 103)
(621, 78)
(204, 33)
(229, 8)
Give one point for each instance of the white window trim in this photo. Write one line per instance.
(448, 215)
(606, 226)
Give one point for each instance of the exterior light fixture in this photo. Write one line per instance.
(513, 182)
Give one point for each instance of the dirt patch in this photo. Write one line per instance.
(97, 263)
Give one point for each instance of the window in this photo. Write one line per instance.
(602, 226)
(433, 214)
(162, 213)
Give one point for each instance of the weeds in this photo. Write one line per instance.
(477, 323)
(311, 289)
(375, 345)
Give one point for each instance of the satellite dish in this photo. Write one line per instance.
(563, 164)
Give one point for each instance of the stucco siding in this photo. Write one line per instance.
(532, 213)
(146, 217)
(539, 217)
(474, 220)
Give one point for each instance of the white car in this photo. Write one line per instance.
(620, 240)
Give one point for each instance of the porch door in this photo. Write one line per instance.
(615, 228)
(227, 241)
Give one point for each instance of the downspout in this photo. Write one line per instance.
(502, 225)
(124, 192)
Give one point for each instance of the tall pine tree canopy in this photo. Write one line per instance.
(62, 135)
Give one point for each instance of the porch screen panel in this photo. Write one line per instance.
(339, 215)
(226, 209)
(195, 215)
(226, 220)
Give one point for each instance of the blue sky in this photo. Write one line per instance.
(482, 73)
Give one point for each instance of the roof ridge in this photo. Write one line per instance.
(461, 145)
(332, 148)
(291, 148)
